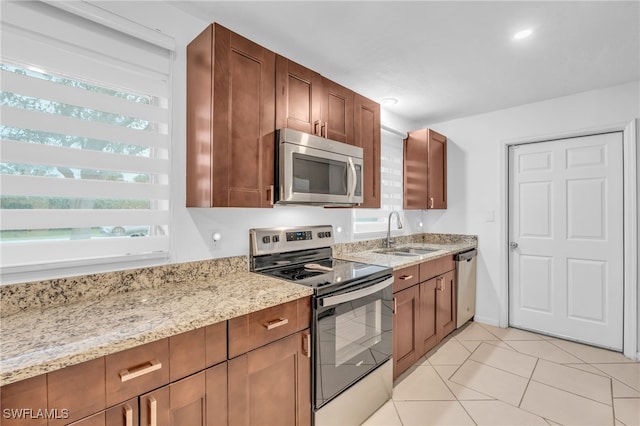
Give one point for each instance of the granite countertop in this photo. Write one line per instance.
(397, 262)
(40, 340)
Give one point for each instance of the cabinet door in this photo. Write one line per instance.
(23, 398)
(337, 112)
(231, 121)
(405, 329)
(428, 296)
(80, 389)
(97, 419)
(445, 304)
(125, 414)
(216, 382)
(180, 403)
(437, 177)
(298, 97)
(367, 136)
(271, 385)
(415, 166)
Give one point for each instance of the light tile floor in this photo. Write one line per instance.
(484, 375)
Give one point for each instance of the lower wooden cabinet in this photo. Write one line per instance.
(271, 385)
(428, 336)
(424, 313)
(445, 305)
(183, 380)
(30, 395)
(405, 329)
(125, 414)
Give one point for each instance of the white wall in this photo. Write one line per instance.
(474, 162)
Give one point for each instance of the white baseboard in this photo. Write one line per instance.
(486, 320)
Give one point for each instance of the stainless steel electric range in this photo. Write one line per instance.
(351, 326)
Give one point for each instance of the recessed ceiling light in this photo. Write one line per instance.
(523, 34)
(388, 101)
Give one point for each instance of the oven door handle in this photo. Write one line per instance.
(353, 295)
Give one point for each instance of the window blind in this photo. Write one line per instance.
(375, 220)
(84, 141)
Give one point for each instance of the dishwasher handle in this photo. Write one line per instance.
(465, 256)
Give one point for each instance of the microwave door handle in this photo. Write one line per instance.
(354, 295)
(354, 179)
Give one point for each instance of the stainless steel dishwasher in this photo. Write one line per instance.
(466, 285)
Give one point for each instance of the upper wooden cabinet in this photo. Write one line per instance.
(337, 112)
(298, 97)
(238, 94)
(310, 103)
(425, 170)
(230, 121)
(366, 131)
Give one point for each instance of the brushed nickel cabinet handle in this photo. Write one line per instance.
(431, 202)
(128, 415)
(395, 305)
(270, 194)
(440, 286)
(276, 323)
(153, 411)
(324, 129)
(307, 344)
(406, 277)
(315, 128)
(140, 370)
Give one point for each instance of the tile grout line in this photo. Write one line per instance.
(528, 382)
(397, 412)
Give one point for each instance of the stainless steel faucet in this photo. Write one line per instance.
(389, 226)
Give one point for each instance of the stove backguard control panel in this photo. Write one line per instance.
(280, 240)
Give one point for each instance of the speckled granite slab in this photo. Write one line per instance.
(443, 244)
(40, 294)
(38, 341)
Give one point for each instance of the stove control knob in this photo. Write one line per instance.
(327, 234)
(275, 238)
(266, 239)
(320, 234)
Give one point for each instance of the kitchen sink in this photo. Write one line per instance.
(406, 251)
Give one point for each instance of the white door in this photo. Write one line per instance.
(566, 238)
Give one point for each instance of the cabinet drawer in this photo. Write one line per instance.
(186, 353)
(216, 343)
(28, 394)
(405, 277)
(436, 267)
(137, 370)
(259, 328)
(80, 389)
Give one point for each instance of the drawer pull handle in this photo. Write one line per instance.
(276, 323)
(406, 277)
(153, 411)
(128, 415)
(307, 343)
(140, 370)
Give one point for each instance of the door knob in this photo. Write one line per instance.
(513, 244)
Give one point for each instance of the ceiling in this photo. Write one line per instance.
(446, 59)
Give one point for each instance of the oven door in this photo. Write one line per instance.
(314, 176)
(352, 335)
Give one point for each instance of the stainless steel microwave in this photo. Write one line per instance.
(316, 171)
